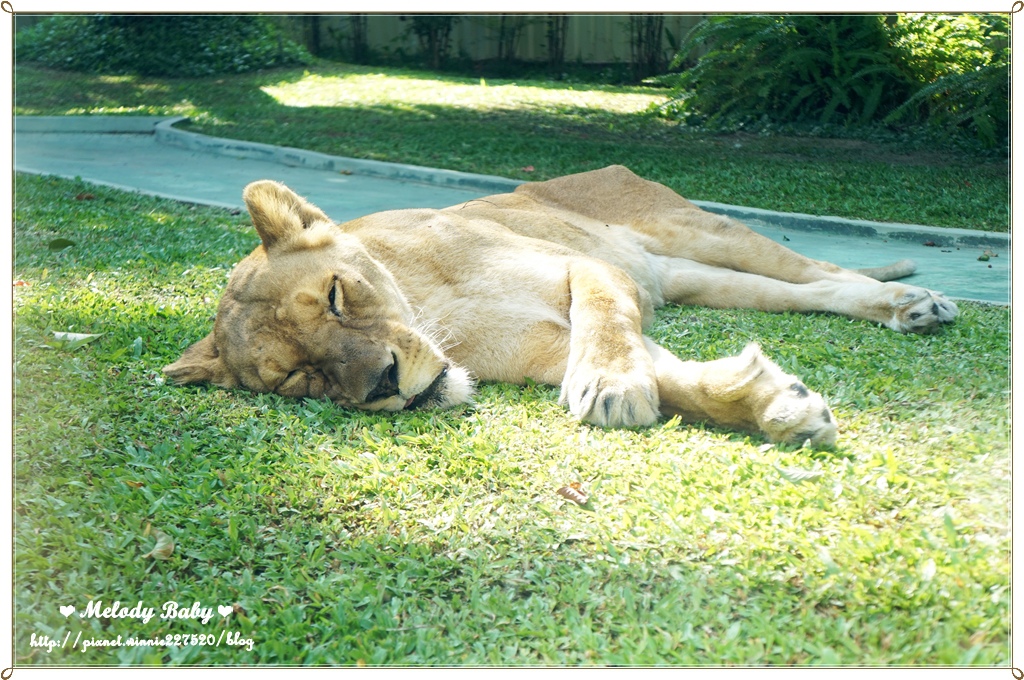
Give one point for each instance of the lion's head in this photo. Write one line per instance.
(310, 313)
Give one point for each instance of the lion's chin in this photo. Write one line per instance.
(452, 386)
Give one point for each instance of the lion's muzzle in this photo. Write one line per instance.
(431, 393)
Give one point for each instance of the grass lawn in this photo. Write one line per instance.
(539, 130)
(440, 537)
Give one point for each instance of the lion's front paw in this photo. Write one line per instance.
(918, 310)
(611, 400)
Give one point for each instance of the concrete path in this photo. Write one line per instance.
(149, 155)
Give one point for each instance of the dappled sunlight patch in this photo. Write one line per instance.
(107, 79)
(184, 109)
(62, 93)
(359, 90)
(138, 87)
(202, 117)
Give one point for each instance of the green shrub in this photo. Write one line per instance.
(948, 71)
(185, 46)
(963, 64)
(825, 69)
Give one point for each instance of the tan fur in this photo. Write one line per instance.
(554, 283)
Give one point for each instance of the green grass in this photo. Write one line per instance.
(503, 127)
(439, 538)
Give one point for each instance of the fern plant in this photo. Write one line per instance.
(966, 89)
(785, 68)
(947, 71)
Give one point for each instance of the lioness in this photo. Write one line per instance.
(554, 282)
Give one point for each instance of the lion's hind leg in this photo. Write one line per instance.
(720, 241)
(889, 272)
(897, 306)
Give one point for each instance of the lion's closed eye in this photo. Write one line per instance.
(332, 297)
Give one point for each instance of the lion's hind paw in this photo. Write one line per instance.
(812, 423)
(919, 310)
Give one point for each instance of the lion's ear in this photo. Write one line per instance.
(201, 363)
(278, 212)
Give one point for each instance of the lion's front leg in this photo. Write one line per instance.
(609, 378)
(746, 392)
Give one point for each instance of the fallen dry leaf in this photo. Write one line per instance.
(163, 548)
(574, 492)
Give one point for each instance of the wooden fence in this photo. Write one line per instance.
(585, 38)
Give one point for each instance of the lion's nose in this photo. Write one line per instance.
(387, 385)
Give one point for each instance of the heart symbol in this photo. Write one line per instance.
(224, 609)
(67, 610)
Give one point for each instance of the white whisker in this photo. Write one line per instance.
(435, 331)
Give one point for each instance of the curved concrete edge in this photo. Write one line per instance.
(166, 133)
(162, 127)
(90, 124)
(939, 236)
(180, 198)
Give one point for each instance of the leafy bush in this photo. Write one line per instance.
(950, 71)
(825, 69)
(185, 46)
(963, 62)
